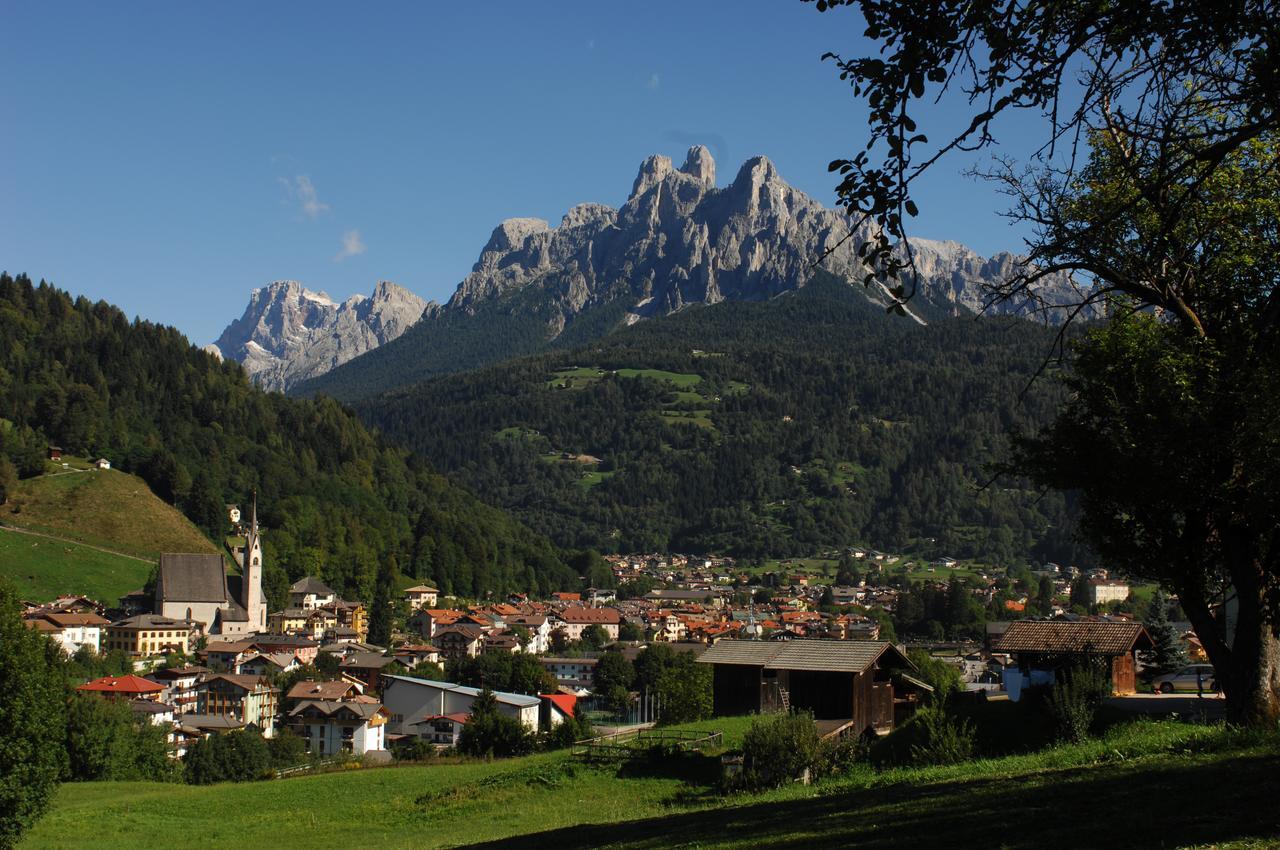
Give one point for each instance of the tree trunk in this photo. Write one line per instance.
(1252, 683)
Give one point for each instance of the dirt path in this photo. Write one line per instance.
(16, 530)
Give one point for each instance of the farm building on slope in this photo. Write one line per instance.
(857, 685)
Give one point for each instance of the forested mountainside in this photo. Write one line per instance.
(339, 502)
(765, 428)
(678, 241)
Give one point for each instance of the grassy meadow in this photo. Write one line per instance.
(101, 531)
(1154, 784)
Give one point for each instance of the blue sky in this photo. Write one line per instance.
(170, 157)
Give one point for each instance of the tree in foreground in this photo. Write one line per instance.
(32, 717)
(1156, 187)
(489, 732)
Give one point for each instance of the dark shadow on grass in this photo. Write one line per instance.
(1148, 805)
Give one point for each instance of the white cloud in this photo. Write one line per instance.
(654, 81)
(352, 245)
(303, 191)
(591, 44)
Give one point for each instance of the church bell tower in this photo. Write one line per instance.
(254, 605)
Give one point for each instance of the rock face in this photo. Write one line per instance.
(679, 240)
(952, 276)
(289, 333)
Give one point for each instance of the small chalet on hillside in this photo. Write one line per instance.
(850, 685)
(1040, 648)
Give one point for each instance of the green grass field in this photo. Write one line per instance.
(110, 509)
(1143, 784)
(42, 569)
(89, 511)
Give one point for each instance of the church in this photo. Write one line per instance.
(197, 587)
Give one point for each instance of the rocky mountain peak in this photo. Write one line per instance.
(699, 165)
(289, 333)
(652, 172)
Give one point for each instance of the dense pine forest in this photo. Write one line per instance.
(339, 502)
(760, 429)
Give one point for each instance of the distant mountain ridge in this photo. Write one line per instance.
(289, 333)
(677, 240)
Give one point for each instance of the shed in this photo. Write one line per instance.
(849, 680)
(1050, 645)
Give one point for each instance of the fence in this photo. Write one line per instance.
(631, 743)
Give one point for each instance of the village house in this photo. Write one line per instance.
(225, 656)
(303, 647)
(371, 667)
(148, 634)
(422, 596)
(124, 687)
(411, 700)
(71, 631)
(326, 690)
(287, 622)
(460, 641)
(249, 699)
(556, 709)
(269, 664)
(571, 672)
(348, 618)
(576, 620)
(414, 654)
(539, 628)
(442, 730)
(856, 687)
(427, 621)
(180, 686)
(356, 726)
(1102, 590)
(310, 592)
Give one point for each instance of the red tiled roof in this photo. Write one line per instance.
(564, 702)
(608, 616)
(122, 685)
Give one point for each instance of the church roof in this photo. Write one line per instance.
(192, 578)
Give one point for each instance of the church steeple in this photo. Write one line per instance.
(251, 569)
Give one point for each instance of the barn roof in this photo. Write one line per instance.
(1065, 636)
(842, 656)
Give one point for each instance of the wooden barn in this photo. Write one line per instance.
(858, 685)
(1050, 645)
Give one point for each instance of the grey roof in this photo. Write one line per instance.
(501, 696)
(311, 584)
(369, 660)
(363, 710)
(187, 577)
(843, 656)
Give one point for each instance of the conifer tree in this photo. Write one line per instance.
(1167, 654)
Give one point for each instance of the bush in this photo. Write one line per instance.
(568, 733)
(287, 749)
(489, 732)
(414, 750)
(1074, 702)
(238, 756)
(837, 756)
(932, 736)
(779, 748)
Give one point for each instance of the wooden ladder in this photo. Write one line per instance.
(785, 699)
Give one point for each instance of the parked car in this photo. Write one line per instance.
(1194, 678)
